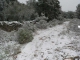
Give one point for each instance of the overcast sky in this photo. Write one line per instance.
(67, 5)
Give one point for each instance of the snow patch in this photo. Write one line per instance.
(48, 45)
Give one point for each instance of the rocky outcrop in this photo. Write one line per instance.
(10, 26)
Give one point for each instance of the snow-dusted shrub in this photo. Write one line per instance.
(10, 26)
(9, 50)
(30, 26)
(42, 24)
(24, 36)
(73, 26)
(60, 18)
(54, 22)
(40, 18)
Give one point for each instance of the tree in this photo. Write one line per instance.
(71, 14)
(78, 11)
(4, 4)
(12, 10)
(50, 8)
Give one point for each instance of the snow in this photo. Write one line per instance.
(78, 26)
(48, 44)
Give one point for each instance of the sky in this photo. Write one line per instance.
(66, 5)
(69, 5)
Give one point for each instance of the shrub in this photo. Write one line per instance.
(42, 24)
(55, 22)
(30, 26)
(9, 50)
(69, 15)
(73, 26)
(24, 36)
(60, 17)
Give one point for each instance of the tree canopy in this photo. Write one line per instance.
(78, 11)
(50, 8)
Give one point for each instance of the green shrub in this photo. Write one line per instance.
(55, 22)
(9, 50)
(30, 26)
(42, 24)
(24, 36)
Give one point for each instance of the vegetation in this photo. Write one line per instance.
(15, 11)
(24, 36)
(9, 50)
(50, 8)
(38, 15)
(69, 14)
(42, 24)
(12, 10)
(78, 11)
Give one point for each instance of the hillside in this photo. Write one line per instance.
(56, 43)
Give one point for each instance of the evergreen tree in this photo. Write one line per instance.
(78, 11)
(3, 5)
(50, 8)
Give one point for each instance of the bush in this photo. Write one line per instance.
(24, 36)
(73, 26)
(55, 22)
(69, 15)
(60, 17)
(42, 24)
(9, 50)
(30, 26)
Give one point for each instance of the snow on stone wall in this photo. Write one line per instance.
(9, 26)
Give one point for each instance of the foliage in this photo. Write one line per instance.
(4, 4)
(42, 24)
(50, 8)
(24, 36)
(60, 17)
(78, 11)
(55, 22)
(69, 14)
(9, 50)
(15, 11)
(30, 26)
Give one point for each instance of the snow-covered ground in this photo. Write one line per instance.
(49, 44)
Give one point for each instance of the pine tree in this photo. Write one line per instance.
(78, 11)
(4, 4)
(50, 8)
